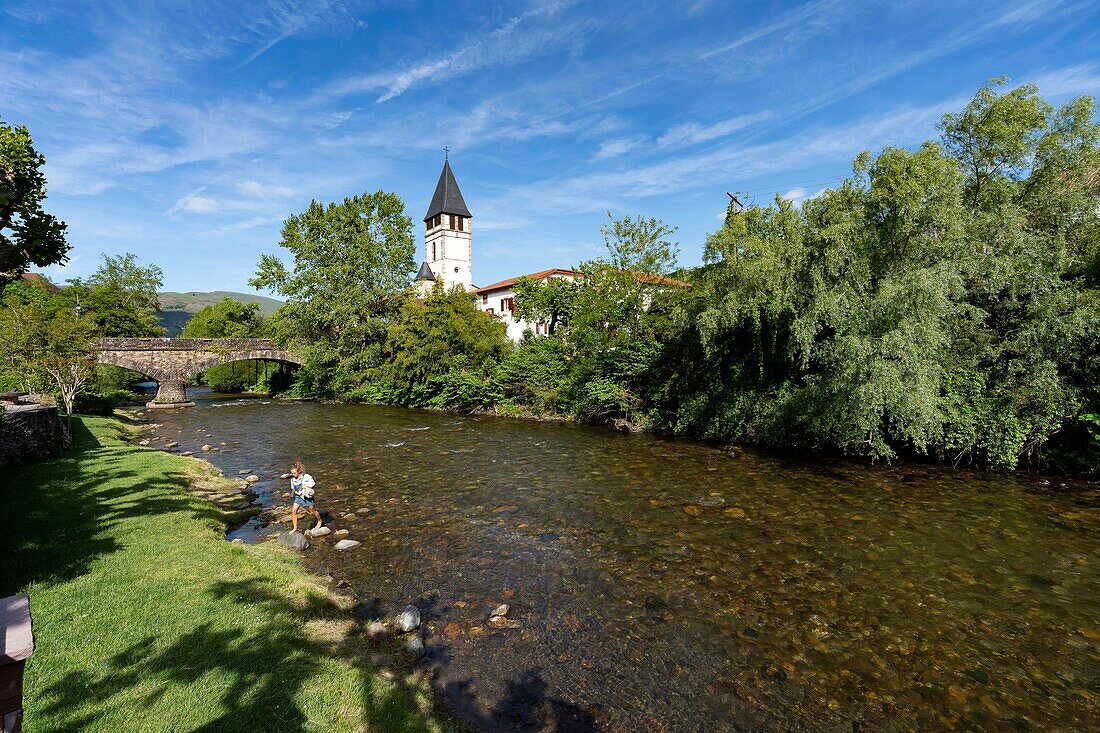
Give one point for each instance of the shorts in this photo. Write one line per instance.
(304, 502)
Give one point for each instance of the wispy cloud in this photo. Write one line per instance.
(693, 133)
(261, 190)
(618, 146)
(195, 204)
(520, 37)
(792, 18)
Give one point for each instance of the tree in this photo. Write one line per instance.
(121, 296)
(228, 318)
(352, 264)
(445, 335)
(67, 359)
(551, 301)
(28, 235)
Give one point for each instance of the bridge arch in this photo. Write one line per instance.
(173, 362)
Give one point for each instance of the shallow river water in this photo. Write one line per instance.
(671, 586)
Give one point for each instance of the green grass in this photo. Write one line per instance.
(146, 619)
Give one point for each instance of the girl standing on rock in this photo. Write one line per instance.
(301, 488)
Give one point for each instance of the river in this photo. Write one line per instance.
(664, 585)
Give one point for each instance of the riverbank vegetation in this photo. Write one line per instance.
(146, 618)
(942, 303)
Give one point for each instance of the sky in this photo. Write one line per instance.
(187, 132)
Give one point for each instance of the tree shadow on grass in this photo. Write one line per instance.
(259, 672)
(64, 510)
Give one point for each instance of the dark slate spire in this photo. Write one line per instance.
(447, 198)
(425, 272)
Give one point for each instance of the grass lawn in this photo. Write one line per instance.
(146, 619)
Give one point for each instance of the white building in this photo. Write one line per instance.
(500, 299)
(448, 256)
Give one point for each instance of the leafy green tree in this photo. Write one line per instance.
(28, 235)
(442, 343)
(552, 301)
(121, 296)
(940, 302)
(228, 318)
(352, 264)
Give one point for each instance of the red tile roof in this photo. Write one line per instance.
(534, 275)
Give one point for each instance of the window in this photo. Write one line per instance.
(458, 223)
(433, 251)
(489, 311)
(484, 298)
(507, 304)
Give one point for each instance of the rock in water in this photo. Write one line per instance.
(340, 533)
(377, 630)
(501, 610)
(409, 619)
(414, 647)
(347, 544)
(319, 531)
(207, 448)
(188, 453)
(252, 479)
(293, 540)
(243, 471)
(143, 442)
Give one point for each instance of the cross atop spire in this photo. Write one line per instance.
(446, 153)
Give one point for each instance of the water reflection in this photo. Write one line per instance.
(663, 585)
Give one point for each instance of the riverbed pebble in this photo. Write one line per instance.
(188, 453)
(501, 610)
(252, 478)
(409, 619)
(294, 540)
(320, 531)
(207, 448)
(377, 630)
(347, 544)
(172, 444)
(143, 442)
(350, 517)
(414, 647)
(340, 533)
(244, 471)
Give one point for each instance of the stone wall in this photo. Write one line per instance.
(30, 432)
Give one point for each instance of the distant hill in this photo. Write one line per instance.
(177, 308)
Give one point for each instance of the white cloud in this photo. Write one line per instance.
(507, 44)
(260, 190)
(693, 133)
(618, 146)
(195, 204)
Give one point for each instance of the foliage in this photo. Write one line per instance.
(121, 296)
(352, 264)
(941, 302)
(552, 301)
(438, 350)
(226, 319)
(28, 235)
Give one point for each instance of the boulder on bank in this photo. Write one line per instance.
(409, 619)
(376, 630)
(294, 540)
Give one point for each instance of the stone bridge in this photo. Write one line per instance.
(173, 362)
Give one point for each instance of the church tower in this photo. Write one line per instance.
(447, 237)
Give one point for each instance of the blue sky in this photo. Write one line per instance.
(186, 132)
